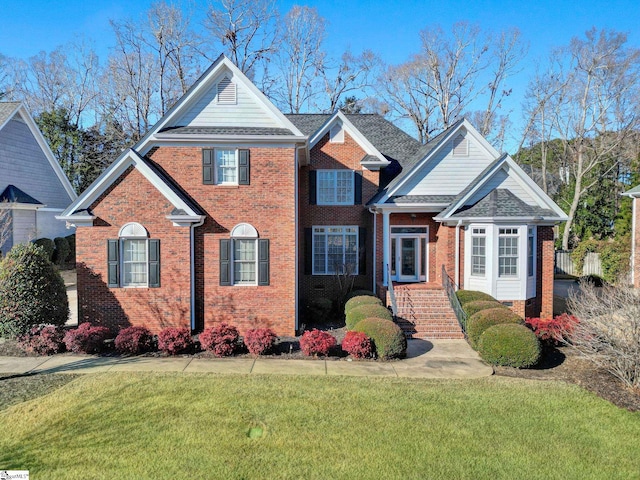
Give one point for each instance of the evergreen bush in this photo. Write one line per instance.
(510, 345)
(62, 250)
(48, 247)
(466, 296)
(354, 302)
(478, 305)
(357, 314)
(480, 321)
(32, 291)
(388, 338)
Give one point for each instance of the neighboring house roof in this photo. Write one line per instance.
(13, 194)
(9, 110)
(502, 203)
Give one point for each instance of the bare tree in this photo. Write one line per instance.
(246, 28)
(608, 331)
(354, 73)
(300, 58)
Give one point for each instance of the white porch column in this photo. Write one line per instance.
(385, 247)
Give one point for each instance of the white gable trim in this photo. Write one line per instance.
(44, 146)
(360, 139)
(442, 144)
(109, 176)
(519, 176)
(205, 81)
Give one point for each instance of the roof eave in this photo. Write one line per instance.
(200, 137)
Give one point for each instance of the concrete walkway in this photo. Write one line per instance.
(425, 359)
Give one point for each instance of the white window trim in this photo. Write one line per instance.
(244, 231)
(356, 233)
(531, 233)
(216, 175)
(322, 201)
(515, 233)
(483, 234)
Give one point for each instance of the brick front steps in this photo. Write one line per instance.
(424, 312)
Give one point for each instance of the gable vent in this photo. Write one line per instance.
(460, 146)
(226, 91)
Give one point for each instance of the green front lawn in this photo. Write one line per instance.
(177, 426)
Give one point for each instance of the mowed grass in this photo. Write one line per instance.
(170, 426)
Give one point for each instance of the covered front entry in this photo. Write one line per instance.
(409, 254)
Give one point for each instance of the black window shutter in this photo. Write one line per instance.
(308, 251)
(362, 251)
(113, 263)
(312, 187)
(154, 263)
(225, 261)
(208, 166)
(243, 167)
(263, 261)
(357, 188)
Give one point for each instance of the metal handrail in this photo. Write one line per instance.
(392, 294)
(450, 287)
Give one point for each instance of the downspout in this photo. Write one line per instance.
(192, 271)
(457, 256)
(375, 251)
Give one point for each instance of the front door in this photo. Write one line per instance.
(408, 259)
(409, 254)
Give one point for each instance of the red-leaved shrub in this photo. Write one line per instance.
(221, 340)
(316, 342)
(357, 344)
(554, 330)
(259, 340)
(134, 340)
(173, 340)
(43, 340)
(86, 338)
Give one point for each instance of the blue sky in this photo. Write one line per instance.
(389, 28)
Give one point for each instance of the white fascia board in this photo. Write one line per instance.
(409, 208)
(185, 220)
(77, 220)
(44, 146)
(20, 206)
(201, 137)
(502, 220)
(353, 132)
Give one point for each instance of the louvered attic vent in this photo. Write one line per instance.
(226, 91)
(460, 146)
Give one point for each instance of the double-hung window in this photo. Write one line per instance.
(244, 258)
(245, 261)
(134, 262)
(508, 252)
(133, 258)
(335, 250)
(478, 251)
(226, 167)
(335, 187)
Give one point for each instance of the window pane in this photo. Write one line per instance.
(508, 255)
(319, 253)
(351, 252)
(335, 250)
(478, 255)
(344, 193)
(226, 166)
(530, 255)
(244, 261)
(134, 262)
(326, 187)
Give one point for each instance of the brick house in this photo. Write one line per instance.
(229, 210)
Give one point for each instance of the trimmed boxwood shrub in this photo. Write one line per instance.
(466, 296)
(478, 305)
(134, 340)
(32, 291)
(259, 340)
(43, 340)
(359, 293)
(319, 309)
(509, 344)
(47, 246)
(361, 300)
(173, 340)
(387, 337)
(71, 240)
(357, 344)
(480, 321)
(62, 250)
(86, 338)
(358, 314)
(221, 340)
(317, 342)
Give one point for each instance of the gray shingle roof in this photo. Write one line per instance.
(502, 203)
(13, 194)
(633, 192)
(431, 199)
(226, 131)
(6, 109)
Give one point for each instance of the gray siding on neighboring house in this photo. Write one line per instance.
(49, 227)
(24, 226)
(23, 164)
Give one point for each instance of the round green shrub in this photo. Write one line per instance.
(319, 309)
(62, 250)
(388, 338)
(32, 291)
(480, 321)
(466, 296)
(71, 239)
(47, 246)
(358, 314)
(478, 305)
(361, 300)
(511, 345)
(358, 293)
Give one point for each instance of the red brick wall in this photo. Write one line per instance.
(327, 155)
(422, 220)
(268, 204)
(542, 304)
